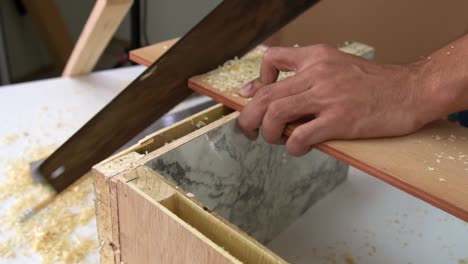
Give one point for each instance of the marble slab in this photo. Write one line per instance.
(254, 185)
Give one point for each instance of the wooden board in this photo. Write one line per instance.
(398, 161)
(164, 239)
(121, 182)
(101, 25)
(403, 162)
(147, 55)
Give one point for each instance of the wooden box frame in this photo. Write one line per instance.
(178, 219)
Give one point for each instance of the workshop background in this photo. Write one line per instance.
(401, 31)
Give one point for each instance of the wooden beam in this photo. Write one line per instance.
(52, 29)
(147, 55)
(104, 20)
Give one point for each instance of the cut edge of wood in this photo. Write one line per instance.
(188, 137)
(104, 177)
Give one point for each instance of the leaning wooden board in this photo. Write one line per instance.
(431, 164)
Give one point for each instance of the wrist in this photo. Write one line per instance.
(445, 90)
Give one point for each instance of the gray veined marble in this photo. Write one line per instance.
(254, 185)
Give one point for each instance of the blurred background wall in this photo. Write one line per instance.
(401, 30)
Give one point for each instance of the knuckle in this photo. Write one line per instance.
(263, 96)
(322, 68)
(276, 111)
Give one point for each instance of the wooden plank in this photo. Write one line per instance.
(104, 20)
(52, 29)
(431, 164)
(398, 161)
(147, 55)
(163, 239)
(222, 233)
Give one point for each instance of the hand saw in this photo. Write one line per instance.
(231, 29)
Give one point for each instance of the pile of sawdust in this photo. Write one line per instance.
(236, 73)
(53, 232)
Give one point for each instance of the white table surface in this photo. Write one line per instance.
(363, 221)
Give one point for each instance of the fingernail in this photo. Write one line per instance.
(246, 89)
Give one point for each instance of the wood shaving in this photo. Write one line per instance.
(236, 73)
(430, 168)
(200, 124)
(53, 232)
(442, 180)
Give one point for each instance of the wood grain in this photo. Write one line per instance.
(164, 239)
(104, 20)
(105, 190)
(208, 226)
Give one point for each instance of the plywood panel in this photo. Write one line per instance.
(164, 239)
(203, 223)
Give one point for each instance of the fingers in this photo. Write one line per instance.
(284, 111)
(275, 59)
(305, 136)
(251, 117)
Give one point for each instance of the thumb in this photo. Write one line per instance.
(274, 60)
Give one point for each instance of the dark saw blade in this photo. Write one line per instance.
(231, 29)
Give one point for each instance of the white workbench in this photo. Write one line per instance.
(363, 221)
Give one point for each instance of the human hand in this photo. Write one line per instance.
(348, 96)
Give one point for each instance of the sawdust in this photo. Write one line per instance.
(236, 73)
(52, 233)
(9, 139)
